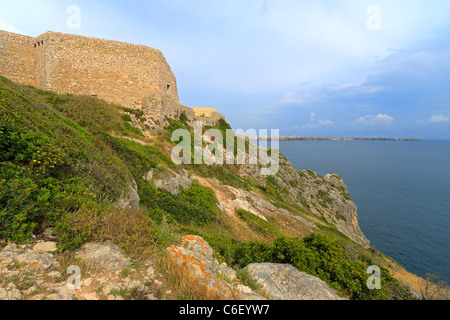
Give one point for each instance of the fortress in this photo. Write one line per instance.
(129, 75)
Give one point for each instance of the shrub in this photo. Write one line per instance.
(197, 204)
(131, 229)
(256, 223)
(319, 255)
(48, 164)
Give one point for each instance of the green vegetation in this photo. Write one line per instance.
(49, 164)
(64, 163)
(320, 255)
(196, 204)
(259, 225)
(67, 173)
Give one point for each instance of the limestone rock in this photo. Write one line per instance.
(285, 282)
(132, 198)
(149, 175)
(11, 247)
(61, 292)
(195, 254)
(11, 293)
(323, 196)
(167, 182)
(29, 257)
(43, 247)
(107, 255)
(172, 181)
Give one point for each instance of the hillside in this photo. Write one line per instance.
(85, 171)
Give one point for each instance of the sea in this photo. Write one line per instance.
(402, 190)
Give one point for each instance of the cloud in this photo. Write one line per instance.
(313, 123)
(435, 118)
(325, 122)
(320, 93)
(9, 27)
(373, 120)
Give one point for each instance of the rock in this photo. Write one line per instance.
(244, 289)
(28, 257)
(149, 175)
(167, 182)
(7, 257)
(48, 246)
(34, 258)
(196, 256)
(54, 275)
(172, 181)
(183, 179)
(107, 255)
(132, 198)
(152, 126)
(11, 293)
(285, 282)
(150, 271)
(48, 233)
(157, 282)
(11, 247)
(89, 296)
(61, 292)
(87, 282)
(229, 273)
(323, 196)
(151, 296)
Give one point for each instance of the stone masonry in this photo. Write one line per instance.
(133, 76)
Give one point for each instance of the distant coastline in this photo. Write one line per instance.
(288, 138)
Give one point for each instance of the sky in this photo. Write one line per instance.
(378, 68)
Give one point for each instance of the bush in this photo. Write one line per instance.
(255, 223)
(131, 229)
(319, 255)
(48, 164)
(197, 204)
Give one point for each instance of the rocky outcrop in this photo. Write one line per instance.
(42, 259)
(326, 196)
(277, 281)
(30, 272)
(285, 282)
(196, 256)
(131, 199)
(170, 181)
(106, 255)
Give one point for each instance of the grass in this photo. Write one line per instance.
(267, 229)
(131, 229)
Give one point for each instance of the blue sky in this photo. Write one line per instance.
(316, 68)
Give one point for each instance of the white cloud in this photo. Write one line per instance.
(325, 122)
(315, 124)
(372, 120)
(8, 27)
(435, 118)
(315, 92)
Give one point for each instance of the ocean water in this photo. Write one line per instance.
(402, 190)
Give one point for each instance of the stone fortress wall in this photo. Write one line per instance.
(18, 58)
(133, 76)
